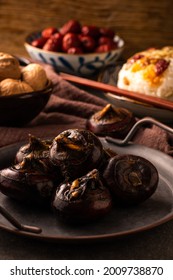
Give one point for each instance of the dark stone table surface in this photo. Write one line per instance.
(153, 244)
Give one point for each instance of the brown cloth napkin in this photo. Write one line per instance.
(69, 107)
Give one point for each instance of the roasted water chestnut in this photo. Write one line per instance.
(77, 152)
(111, 121)
(29, 181)
(83, 200)
(131, 179)
(36, 147)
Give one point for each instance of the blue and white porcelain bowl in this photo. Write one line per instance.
(78, 64)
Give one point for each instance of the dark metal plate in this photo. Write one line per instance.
(120, 222)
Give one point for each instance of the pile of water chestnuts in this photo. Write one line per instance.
(76, 177)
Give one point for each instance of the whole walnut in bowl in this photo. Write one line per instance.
(9, 67)
(35, 76)
(22, 97)
(11, 86)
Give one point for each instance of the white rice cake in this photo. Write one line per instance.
(149, 72)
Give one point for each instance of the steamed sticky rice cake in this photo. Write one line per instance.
(149, 72)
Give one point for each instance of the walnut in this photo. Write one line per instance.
(9, 67)
(12, 86)
(35, 75)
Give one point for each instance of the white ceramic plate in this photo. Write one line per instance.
(109, 76)
(141, 110)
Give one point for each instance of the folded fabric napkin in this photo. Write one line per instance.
(69, 107)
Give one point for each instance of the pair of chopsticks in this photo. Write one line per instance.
(154, 101)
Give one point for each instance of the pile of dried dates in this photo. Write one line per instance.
(75, 176)
(75, 38)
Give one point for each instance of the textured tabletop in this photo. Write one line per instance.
(150, 245)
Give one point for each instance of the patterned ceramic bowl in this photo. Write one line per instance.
(79, 64)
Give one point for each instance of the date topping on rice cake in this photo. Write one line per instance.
(149, 72)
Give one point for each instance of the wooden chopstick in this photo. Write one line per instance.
(155, 101)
